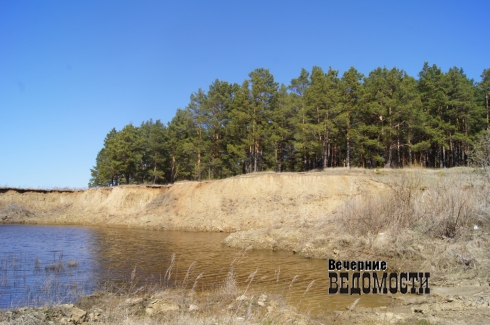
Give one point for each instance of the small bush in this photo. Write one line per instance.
(480, 155)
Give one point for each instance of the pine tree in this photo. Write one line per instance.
(125, 150)
(103, 173)
(484, 87)
(180, 146)
(157, 151)
(350, 93)
(302, 149)
(318, 121)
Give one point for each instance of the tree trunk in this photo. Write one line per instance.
(398, 147)
(441, 157)
(173, 170)
(154, 173)
(390, 157)
(347, 159)
(409, 152)
(277, 166)
(198, 165)
(256, 149)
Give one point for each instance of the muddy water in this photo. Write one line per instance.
(39, 263)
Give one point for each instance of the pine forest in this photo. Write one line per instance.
(386, 119)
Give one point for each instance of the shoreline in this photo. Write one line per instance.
(229, 305)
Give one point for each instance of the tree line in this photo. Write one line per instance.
(319, 120)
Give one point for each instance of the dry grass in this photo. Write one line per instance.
(172, 301)
(441, 224)
(449, 208)
(6, 188)
(181, 304)
(432, 220)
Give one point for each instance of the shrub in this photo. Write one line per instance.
(480, 155)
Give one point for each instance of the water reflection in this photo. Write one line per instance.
(107, 254)
(39, 264)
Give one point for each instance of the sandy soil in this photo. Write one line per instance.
(235, 204)
(282, 212)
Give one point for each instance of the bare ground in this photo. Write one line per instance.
(424, 220)
(235, 204)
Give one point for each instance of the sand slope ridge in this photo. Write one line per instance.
(239, 203)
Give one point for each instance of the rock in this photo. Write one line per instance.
(193, 308)
(132, 301)
(150, 311)
(74, 315)
(162, 306)
(241, 298)
(65, 321)
(78, 315)
(262, 300)
(94, 316)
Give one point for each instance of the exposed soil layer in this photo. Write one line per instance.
(306, 213)
(229, 205)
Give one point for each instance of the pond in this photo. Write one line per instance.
(57, 264)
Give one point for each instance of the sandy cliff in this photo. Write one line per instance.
(239, 203)
(304, 213)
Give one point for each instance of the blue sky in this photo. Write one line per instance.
(70, 71)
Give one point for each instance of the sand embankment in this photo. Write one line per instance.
(235, 204)
(305, 213)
